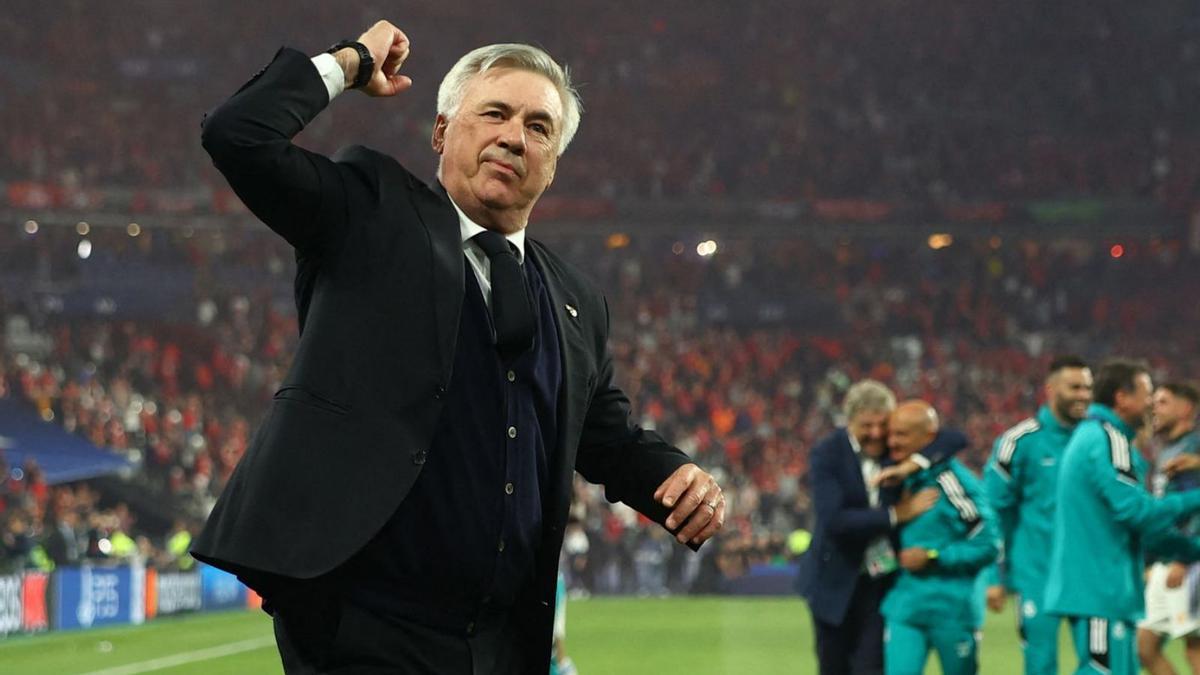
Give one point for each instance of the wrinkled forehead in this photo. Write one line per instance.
(517, 88)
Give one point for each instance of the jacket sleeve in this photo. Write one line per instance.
(979, 545)
(631, 462)
(1002, 482)
(1111, 473)
(947, 444)
(1169, 544)
(843, 522)
(301, 195)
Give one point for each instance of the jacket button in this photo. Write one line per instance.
(418, 457)
(439, 392)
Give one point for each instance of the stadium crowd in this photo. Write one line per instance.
(938, 102)
(968, 328)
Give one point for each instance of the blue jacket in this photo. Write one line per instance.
(846, 523)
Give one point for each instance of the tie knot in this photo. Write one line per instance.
(494, 243)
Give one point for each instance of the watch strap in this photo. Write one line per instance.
(366, 63)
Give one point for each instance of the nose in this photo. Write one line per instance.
(512, 136)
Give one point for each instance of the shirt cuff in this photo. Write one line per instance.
(920, 460)
(892, 515)
(331, 74)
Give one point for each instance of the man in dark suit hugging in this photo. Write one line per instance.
(852, 560)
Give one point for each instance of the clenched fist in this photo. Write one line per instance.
(389, 48)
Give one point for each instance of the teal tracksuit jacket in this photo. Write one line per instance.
(1106, 520)
(1021, 481)
(962, 528)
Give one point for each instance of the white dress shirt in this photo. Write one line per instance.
(870, 468)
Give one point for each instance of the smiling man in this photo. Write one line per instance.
(1021, 480)
(402, 506)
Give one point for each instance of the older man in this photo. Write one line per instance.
(849, 567)
(934, 605)
(401, 508)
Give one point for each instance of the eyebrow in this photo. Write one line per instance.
(537, 114)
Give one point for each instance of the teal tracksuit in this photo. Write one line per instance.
(1021, 483)
(1104, 521)
(940, 606)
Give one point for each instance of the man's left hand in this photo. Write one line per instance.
(895, 474)
(697, 501)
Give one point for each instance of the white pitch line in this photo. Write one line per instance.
(187, 657)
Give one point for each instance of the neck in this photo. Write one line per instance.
(504, 222)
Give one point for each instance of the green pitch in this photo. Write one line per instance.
(700, 636)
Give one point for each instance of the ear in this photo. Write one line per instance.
(438, 141)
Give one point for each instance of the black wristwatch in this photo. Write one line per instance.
(366, 64)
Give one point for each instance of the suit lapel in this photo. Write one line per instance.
(445, 240)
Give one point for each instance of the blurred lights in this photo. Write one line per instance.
(82, 228)
(995, 243)
(940, 241)
(84, 249)
(133, 229)
(706, 248)
(31, 227)
(677, 248)
(618, 240)
(1116, 251)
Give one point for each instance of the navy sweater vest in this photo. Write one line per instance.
(465, 538)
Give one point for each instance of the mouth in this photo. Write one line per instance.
(505, 167)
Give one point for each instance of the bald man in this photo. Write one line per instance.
(934, 604)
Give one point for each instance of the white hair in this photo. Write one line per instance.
(512, 55)
(868, 396)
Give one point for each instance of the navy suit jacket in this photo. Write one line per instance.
(846, 521)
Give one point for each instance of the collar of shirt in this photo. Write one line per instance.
(1098, 411)
(469, 228)
(854, 443)
(1050, 421)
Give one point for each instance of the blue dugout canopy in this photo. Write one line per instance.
(62, 456)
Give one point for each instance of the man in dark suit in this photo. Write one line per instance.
(849, 567)
(402, 506)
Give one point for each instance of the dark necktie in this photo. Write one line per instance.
(512, 303)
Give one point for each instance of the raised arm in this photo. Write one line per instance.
(302, 195)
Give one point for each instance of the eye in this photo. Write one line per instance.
(494, 114)
(539, 128)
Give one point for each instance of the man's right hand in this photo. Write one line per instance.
(912, 505)
(389, 47)
(996, 595)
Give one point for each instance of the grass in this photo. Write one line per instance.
(606, 636)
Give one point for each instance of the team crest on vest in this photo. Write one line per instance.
(1029, 609)
(1118, 630)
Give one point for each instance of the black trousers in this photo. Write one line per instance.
(319, 631)
(854, 647)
